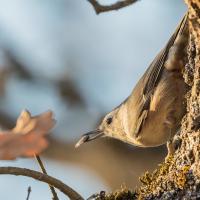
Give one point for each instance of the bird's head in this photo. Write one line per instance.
(112, 125)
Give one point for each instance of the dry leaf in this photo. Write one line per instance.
(27, 137)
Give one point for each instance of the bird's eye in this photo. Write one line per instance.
(109, 120)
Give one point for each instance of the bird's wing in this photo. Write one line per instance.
(153, 74)
(156, 67)
(140, 122)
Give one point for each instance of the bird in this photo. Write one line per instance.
(151, 115)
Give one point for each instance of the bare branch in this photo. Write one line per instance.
(28, 193)
(53, 191)
(115, 6)
(43, 178)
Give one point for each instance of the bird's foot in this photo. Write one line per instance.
(171, 149)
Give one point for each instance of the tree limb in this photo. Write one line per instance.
(28, 193)
(115, 6)
(73, 195)
(52, 189)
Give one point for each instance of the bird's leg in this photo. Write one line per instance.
(170, 147)
(173, 144)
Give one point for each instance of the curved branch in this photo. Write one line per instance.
(43, 178)
(115, 6)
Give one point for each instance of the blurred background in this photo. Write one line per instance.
(60, 55)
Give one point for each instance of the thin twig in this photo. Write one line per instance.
(115, 6)
(72, 194)
(29, 192)
(54, 194)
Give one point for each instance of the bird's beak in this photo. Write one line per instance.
(87, 137)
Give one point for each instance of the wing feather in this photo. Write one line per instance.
(153, 75)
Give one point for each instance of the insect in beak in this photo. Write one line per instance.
(87, 137)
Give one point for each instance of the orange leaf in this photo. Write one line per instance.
(27, 137)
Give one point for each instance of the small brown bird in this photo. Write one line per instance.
(152, 114)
